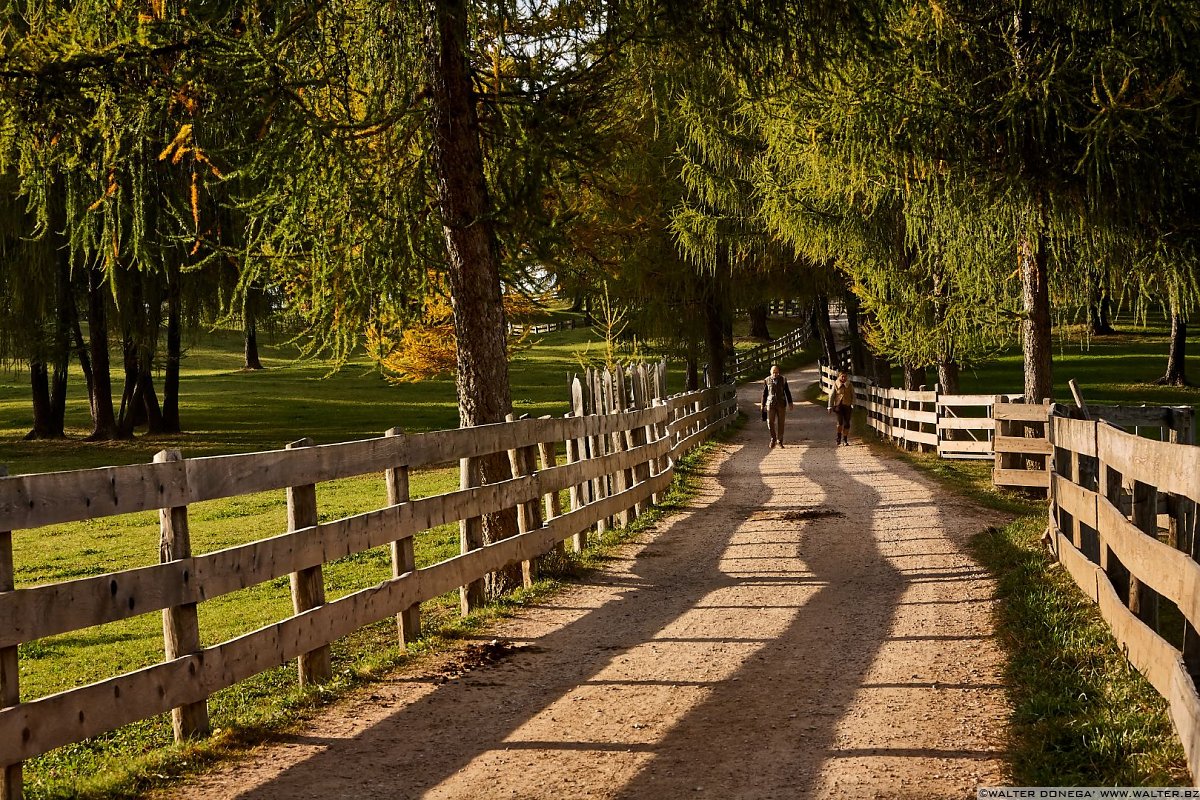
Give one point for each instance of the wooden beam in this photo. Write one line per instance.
(308, 584)
(11, 772)
(181, 626)
(404, 560)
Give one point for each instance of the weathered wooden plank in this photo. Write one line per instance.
(35, 612)
(1171, 467)
(307, 583)
(1077, 435)
(1082, 571)
(12, 778)
(1021, 477)
(1021, 412)
(917, 415)
(965, 446)
(1184, 704)
(1075, 500)
(1020, 444)
(1130, 416)
(1171, 573)
(404, 560)
(31, 501)
(966, 423)
(965, 400)
(1147, 652)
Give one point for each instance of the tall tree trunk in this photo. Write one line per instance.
(858, 351)
(948, 376)
(1035, 327)
(727, 328)
(131, 413)
(823, 329)
(472, 251)
(85, 361)
(714, 336)
(692, 366)
(1176, 368)
(251, 338)
(148, 400)
(104, 424)
(170, 406)
(63, 313)
(1098, 313)
(758, 322)
(883, 372)
(914, 377)
(39, 382)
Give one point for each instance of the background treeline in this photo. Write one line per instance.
(397, 176)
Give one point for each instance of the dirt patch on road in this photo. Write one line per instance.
(811, 627)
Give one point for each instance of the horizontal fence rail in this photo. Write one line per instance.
(1123, 523)
(621, 441)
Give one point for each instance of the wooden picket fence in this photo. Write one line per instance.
(620, 443)
(1123, 524)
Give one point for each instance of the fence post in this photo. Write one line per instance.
(598, 445)
(308, 585)
(639, 436)
(11, 777)
(528, 513)
(576, 452)
(548, 459)
(1143, 601)
(408, 621)
(616, 405)
(181, 628)
(1110, 488)
(470, 536)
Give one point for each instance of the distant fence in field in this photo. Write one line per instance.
(755, 362)
(521, 329)
(620, 444)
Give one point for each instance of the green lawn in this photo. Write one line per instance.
(1120, 368)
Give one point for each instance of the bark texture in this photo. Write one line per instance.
(104, 418)
(1176, 374)
(758, 322)
(472, 250)
(914, 377)
(1035, 326)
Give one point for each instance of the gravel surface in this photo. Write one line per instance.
(811, 627)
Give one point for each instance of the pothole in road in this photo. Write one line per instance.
(795, 515)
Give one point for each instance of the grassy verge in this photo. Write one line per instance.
(1082, 716)
(141, 757)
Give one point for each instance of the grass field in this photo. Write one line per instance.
(1120, 368)
(225, 409)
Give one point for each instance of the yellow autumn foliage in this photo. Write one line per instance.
(427, 348)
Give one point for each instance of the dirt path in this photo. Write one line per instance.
(812, 628)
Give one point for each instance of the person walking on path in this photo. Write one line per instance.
(776, 400)
(841, 403)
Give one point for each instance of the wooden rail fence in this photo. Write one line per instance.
(1002, 427)
(621, 444)
(1123, 523)
(755, 362)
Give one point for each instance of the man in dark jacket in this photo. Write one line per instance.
(776, 400)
